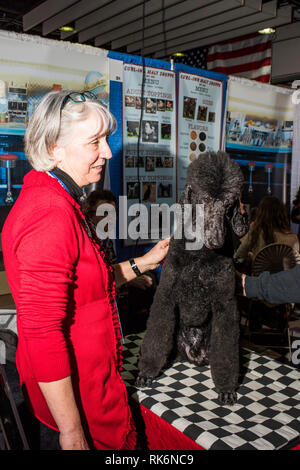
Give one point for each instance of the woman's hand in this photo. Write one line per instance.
(153, 258)
(240, 283)
(73, 440)
(123, 271)
(142, 282)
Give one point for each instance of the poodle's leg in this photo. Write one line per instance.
(224, 352)
(158, 341)
(159, 337)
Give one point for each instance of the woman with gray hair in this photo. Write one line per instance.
(69, 349)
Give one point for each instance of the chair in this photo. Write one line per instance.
(8, 161)
(273, 258)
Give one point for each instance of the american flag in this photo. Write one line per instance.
(248, 56)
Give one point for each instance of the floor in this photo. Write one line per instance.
(42, 438)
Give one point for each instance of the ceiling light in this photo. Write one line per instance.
(67, 28)
(267, 31)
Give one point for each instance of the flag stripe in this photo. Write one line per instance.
(238, 60)
(247, 56)
(244, 67)
(216, 55)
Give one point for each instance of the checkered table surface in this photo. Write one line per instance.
(266, 416)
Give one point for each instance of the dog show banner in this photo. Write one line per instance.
(31, 66)
(200, 111)
(259, 136)
(149, 138)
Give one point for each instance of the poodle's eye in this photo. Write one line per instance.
(205, 199)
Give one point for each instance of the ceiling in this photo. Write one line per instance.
(153, 28)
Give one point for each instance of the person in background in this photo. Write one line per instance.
(133, 298)
(271, 225)
(69, 343)
(295, 213)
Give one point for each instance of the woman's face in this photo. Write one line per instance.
(83, 159)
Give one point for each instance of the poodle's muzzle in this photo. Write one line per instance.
(214, 224)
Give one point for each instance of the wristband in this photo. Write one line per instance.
(134, 267)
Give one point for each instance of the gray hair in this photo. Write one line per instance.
(50, 124)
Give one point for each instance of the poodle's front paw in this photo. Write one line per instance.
(143, 381)
(227, 398)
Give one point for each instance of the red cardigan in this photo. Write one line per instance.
(66, 316)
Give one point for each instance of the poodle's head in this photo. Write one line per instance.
(215, 181)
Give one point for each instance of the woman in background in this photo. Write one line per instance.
(271, 225)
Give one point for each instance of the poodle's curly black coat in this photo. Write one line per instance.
(194, 311)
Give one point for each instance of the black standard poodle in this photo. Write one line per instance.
(194, 314)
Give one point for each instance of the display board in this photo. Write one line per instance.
(31, 66)
(200, 109)
(259, 136)
(149, 169)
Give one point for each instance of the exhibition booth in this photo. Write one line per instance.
(167, 115)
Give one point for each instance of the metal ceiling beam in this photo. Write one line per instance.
(94, 20)
(72, 13)
(153, 9)
(153, 16)
(268, 12)
(192, 22)
(44, 11)
(284, 16)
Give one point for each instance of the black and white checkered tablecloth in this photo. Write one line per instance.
(266, 416)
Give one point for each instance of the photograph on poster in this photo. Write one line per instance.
(139, 102)
(133, 190)
(202, 113)
(129, 161)
(139, 162)
(189, 106)
(159, 162)
(164, 190)
(132, 128)
(150, 163)
(149, 192)
(161, 105)
(151, 105)
(130, 101)
(211, 116)
(165, 131)
(149, 131)
(168, 162)
(169, 105)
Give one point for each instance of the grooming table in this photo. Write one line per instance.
(183, 402)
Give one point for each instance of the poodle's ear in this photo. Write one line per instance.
(239, 222)
(186, 195)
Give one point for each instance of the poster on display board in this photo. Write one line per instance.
(149, 140)
(259, 136)
(200, 111)
(31, 66)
